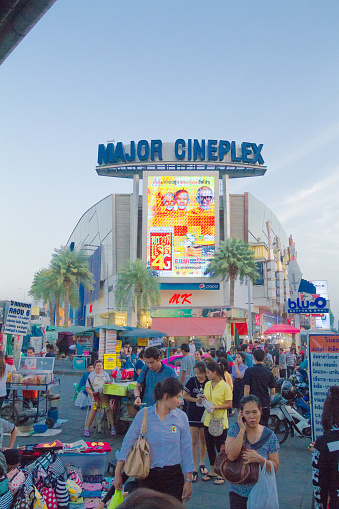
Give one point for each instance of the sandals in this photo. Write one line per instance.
(86, 432)
(208, 477)
(203, 470)
(194, 476)
(219, 481)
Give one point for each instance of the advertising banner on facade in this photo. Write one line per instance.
(323, 362)
(18, 318)
(181, 229)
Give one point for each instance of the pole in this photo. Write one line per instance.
(250, 333)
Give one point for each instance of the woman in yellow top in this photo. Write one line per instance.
(219, 393)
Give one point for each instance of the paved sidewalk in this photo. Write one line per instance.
(293, 478)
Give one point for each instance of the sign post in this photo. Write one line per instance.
(17, 323)
(323, 360)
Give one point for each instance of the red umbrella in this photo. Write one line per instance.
(282, 327)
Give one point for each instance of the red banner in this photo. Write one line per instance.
(161, 250)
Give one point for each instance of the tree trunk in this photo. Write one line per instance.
(232, 281)
(51, 311)
(57, 314)
(138, 309)
(66, 303)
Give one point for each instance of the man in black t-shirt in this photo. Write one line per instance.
(260, 381)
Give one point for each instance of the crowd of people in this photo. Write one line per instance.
(213, 385)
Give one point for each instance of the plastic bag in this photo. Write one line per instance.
(116, 500)
(264, 494)
(82, 400)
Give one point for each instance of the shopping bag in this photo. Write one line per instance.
(6, 500)
(82, 400)
(264, 494)
(20, 500)
(37, 500)
(117, 499)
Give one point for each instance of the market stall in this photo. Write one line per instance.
(58, 474)
(34, 377)
(122, 394)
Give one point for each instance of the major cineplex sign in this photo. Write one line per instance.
(316, 306)
(228, 157)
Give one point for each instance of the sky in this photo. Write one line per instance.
(97, 70)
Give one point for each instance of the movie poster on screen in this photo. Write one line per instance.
(180, 224)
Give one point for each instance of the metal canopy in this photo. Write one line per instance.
(233, 171)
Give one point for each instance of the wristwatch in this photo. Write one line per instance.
(188, 480)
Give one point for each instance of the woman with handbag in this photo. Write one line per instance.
(219, 395)
(254, 442)
(169, 440)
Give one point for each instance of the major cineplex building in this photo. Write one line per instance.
(179, 211)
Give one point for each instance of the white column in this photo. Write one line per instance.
(133, 238)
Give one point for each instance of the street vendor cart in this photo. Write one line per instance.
(30, 386)
(122, 396)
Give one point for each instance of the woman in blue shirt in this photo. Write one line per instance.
(170, 441)
(261, 442)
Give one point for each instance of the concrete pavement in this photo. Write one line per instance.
(293, 478)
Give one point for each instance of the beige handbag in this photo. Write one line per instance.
(139, 459)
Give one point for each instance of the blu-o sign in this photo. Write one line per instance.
(318, 305)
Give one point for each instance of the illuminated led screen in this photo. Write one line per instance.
(180, 224)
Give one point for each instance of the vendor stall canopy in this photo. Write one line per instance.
(143, 333)
(282, 328)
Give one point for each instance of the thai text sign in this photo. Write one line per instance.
(18, 318)
(161, 249)
(323, 362)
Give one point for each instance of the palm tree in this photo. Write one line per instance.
(233, 259)
(45, 288)
(135, 282)
(70, 268)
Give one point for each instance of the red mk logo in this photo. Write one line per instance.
(178, 298)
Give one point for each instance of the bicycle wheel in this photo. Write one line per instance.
(279, 427)
(10, 414)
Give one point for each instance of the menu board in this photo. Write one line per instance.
(323, 362)
(102, 340)
(111, 341)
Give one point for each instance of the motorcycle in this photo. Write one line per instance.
(286, 420)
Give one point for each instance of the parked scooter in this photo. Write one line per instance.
(285, 419)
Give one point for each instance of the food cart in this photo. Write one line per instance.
(33, 374)
(122, 393)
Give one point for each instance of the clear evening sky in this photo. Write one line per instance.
(92, 71)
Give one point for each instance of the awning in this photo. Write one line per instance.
(242, 328)
(190, 326)
(282, 328)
